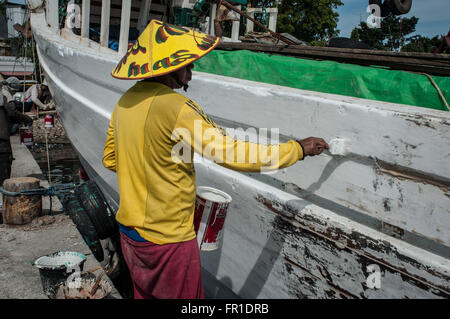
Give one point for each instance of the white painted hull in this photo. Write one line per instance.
(314, 229)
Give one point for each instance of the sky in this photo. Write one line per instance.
(434, 16)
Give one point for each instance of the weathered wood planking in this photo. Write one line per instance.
(296, 249)
(398, 171)
(280, 47)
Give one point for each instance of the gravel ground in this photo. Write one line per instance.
(20, 245)
(55, 134)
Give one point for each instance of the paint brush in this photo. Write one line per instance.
(339, 146)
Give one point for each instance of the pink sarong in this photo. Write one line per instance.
(169, 271)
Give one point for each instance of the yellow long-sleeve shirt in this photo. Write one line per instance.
(151, 140)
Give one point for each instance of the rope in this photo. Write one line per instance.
(48, 159)
(437, 88)
(54, 190)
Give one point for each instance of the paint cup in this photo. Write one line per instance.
(26, 136)
(48, 121)
(211, 207)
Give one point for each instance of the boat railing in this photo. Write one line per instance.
(79, 17)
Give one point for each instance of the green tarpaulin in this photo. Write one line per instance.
(329, 77)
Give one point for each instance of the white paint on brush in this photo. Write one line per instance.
(339, 146)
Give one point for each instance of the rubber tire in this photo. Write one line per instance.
(94, 204)
(85, 227)
(398, 7)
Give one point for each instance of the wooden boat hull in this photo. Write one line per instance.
(373, 224)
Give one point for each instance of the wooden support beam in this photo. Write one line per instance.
(52, 15)
(124, 27)
(273, 12)
(85, 13)
(144, 14)
(211, 18)
(235, 28)
(104, 26)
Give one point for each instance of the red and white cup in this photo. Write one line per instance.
(26, 136)
(211, 207)
(49, 121)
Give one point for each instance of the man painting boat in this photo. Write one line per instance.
(157, 189)
(33, 97)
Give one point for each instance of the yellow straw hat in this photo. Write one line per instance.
(163, 48)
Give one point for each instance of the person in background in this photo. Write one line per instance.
(5, 146)
(157, 192)
(33, 97)
(10, 118)
(9, 87)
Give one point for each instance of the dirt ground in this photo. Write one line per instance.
(20, 245)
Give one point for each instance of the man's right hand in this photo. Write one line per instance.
(313, 146)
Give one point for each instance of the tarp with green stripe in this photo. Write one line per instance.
(329, 77)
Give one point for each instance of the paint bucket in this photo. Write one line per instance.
(26, 136)
(54, 269)
(49, 121)
(210, 212)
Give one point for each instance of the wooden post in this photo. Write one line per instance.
(273, 12)
(143, 14)
(104, 29)
(212, 18)
(273, 19)
(235, 28)
(124, 27)
(251, 13)
(85, 15)
(52, 15)
(276, 35)
(22, 209)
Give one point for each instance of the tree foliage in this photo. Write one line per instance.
(307, 20)
(2, 7)
(419, 43)
(391, 36)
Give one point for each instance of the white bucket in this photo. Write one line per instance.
(210, 212)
